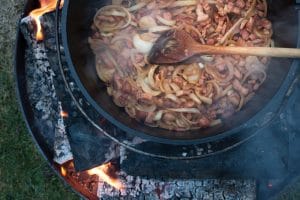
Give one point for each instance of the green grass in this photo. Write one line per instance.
(24, 174)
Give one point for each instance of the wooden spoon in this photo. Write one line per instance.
(176, 46)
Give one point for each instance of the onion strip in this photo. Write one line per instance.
(109, 28)
(165, 21)
(181, 3)
(185, 110)
(137, 6)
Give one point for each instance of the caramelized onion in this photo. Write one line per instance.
(145, 108)
(155, 29)
(146, 88)
(150, 76)
(203, 98)
(142, 45)
(108, 27)
(195, 98)
(215, 122)
(185, 110)
(137, 6)
(158, 115)
(147, 22)
(181, 3)
(172, 97)
(165, 21)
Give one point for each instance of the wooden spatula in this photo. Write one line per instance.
(176, 46)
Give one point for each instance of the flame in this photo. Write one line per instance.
(64, 114)
(100, 171)
(63, 171)
(46, 6)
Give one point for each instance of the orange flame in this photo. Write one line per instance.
(101, 173)
(64, 114)
(46, 6)
(63, 171)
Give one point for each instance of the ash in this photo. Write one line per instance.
(206, 189)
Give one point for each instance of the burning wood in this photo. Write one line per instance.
(45, 7)
(42, 92)
(102, 173)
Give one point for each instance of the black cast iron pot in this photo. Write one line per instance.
(77, 19)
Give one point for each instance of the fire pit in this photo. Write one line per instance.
(100, 160)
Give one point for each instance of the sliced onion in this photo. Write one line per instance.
(107, 34)
(147, 22)
(195, 98)
(130, 111)
(204, 99)
(166, 86)
(104, 74)
(214, 73)
(120, 37)
(147, 89)
(158, 115)
(193, 78)
(137, 6)
(150, 76)
(180, 93)
(110, 9)
(174, 87)
(142, 45)
(114, 13)
(217, 89)
(215, 122)
(201, 66)
(187, 120)
(177, 70)
(207, 58)
(144, 108)
(185, 110)
(226, 90)
(181, 3)
(230, 32)
(165, 21)
(172, 97)
(159, 29)
(109, 90)
(150, 37)
(182, 123)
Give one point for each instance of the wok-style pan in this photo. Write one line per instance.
(76, 22)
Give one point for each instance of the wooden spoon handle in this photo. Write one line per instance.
(247, 51)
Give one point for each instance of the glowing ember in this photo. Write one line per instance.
(46, 6)
(101, 173)
(64, 114)
(63, 171)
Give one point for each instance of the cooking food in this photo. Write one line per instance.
(186, 96)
